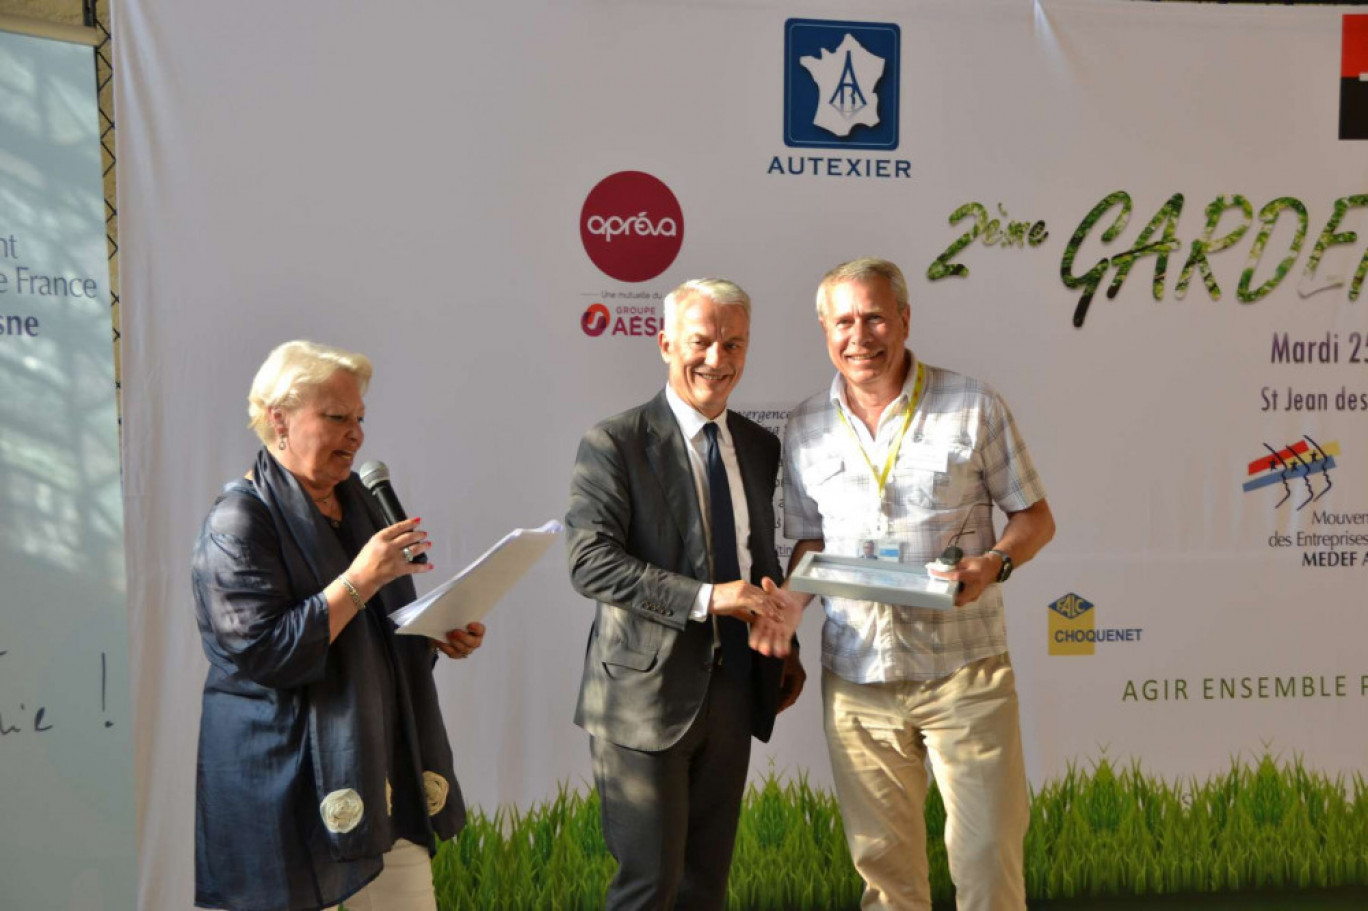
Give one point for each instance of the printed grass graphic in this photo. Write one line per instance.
(1105, 832)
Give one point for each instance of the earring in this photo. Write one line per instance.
(280, 444)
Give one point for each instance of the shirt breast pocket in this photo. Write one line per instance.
(828, 484)
(956, 485)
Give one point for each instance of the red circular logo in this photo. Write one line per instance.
(595, 320)
(631, 226)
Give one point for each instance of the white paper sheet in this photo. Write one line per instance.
(474, 591)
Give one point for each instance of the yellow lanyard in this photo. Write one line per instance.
(881, 477)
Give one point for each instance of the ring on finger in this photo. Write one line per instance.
(408, 554)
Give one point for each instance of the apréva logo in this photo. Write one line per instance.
(631, 226)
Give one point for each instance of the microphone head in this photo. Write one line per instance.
(951, 556)
(373, 473)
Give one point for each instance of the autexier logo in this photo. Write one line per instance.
(841, 84)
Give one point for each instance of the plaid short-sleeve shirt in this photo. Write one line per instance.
(960, 455)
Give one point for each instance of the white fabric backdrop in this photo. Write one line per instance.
(66, 722)
(410, 185)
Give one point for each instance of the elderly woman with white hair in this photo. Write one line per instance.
(324, 769)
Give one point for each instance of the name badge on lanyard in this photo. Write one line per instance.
(889, 550)
(881, 545)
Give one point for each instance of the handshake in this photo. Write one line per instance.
(771, 612)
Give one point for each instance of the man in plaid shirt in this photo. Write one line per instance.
(911, 458)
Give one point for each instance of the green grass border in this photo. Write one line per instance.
(1108, 832)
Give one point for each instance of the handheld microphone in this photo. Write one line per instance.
(950, 557)
(948, 560)
(953, 554)
(375, 475)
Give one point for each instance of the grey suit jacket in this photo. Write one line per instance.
(636, 545)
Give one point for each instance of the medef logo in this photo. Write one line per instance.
(631, 226)
(1073, 627)
(1293, 471)
(841, 84)
(1353, 123)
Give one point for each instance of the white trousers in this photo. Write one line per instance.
(879, 736)
(404, 885)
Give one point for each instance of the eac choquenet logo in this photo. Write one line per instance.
(631, 226)
(841, 82)
(1073, 628)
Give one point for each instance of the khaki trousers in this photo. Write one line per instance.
(880, 736)
(404, 885)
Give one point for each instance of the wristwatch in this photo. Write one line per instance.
(1006, 572)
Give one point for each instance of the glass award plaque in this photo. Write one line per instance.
(904, 584)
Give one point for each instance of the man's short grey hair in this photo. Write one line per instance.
(290, 372)
(862, 270)
(718, 290)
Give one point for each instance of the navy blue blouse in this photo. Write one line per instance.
(313, 756)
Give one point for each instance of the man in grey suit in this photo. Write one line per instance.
(671, 512)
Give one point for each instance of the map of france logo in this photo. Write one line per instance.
(841, 83)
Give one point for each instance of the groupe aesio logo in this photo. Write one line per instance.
(631, 226)
(636, 317)
(595, 320)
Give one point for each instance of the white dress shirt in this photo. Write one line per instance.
(691, 425)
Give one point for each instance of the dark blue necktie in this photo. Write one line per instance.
(726, 567)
